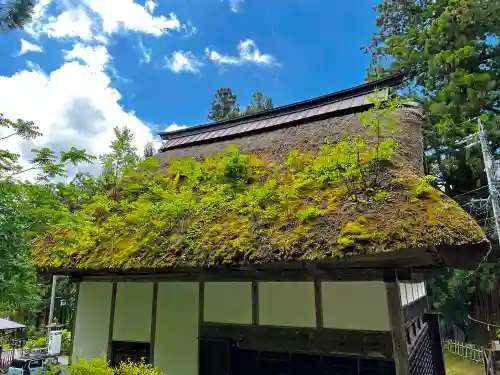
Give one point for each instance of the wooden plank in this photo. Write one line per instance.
(362, 344)
(432, 319)
(318, 302)
(154, 308)
(244, 273)
(415, 309)
(398, 332)
(73, 322)
(255, 302)
(111, 319)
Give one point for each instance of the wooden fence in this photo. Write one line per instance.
(468, 351)
(7, 356)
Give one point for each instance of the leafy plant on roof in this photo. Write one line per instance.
(238, 208)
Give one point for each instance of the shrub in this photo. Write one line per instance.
(38, 343)
(140, 368)
(100, 366)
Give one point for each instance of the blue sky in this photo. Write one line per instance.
(82, 67)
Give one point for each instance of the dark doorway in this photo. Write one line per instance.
(219, 357)
(122, 351)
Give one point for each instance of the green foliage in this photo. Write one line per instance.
(141, 368)
(25, 210)
(38, 343)
(451, 293)
(66, 342)
(122, 155)
(450, 51)
(423, 187)
(237, 208)
(225, 105)
(94, 366)
(14, 14)
(259, 103)
(99, 366)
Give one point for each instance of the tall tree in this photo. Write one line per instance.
(450, 52)
(224, 105)
(259, 103)
(149, 149)
(122, 154)
(25, 209)
(14, 14)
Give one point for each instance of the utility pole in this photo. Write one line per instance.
(488, 165)
(472, 140)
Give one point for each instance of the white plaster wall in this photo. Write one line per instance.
(133, 311)
(228, 302)
(287, 304)
(360, 305)
(92, 320)
(176, 339)
(410, 292)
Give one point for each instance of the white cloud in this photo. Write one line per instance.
(183, 62)
(29, 47)
(129, 15)
(95, 58)
(73, 106)
(146, 53)
(71, 23)
(189, 29)
(173, 127)
(235, 5)
(247, 53)
(150, 6)
(91, 18)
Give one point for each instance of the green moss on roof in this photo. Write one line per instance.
(237, 209)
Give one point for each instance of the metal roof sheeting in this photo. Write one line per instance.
(271, 119)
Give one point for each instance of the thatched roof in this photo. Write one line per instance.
(278, 196)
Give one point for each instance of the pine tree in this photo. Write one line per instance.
(15, 14)
(224, 105)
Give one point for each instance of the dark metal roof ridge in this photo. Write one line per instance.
(310, 103)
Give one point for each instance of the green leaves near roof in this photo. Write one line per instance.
(353, 197)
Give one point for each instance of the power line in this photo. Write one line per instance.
(471, 191)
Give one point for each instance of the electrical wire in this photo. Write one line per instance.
(468, 192)
(481, 322)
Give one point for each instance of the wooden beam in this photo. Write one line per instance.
(432, 320)
(398, 332)
(415, 309)
(73, 323)
(111, 320)
(242, 274)
(255, 302)
(362, 344)
(154, 309)
(318, 303)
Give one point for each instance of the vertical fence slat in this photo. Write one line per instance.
(467, 351)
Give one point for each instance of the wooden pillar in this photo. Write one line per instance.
(154, 309)
(432, 320)
(73, 321)
(397, 328)
(111, 321)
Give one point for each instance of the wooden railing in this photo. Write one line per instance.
(474, 353)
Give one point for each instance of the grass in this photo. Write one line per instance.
(458, 366)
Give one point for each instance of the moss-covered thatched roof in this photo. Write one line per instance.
(238, 209)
